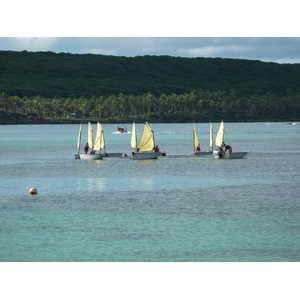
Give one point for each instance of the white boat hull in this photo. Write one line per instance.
(145, 155)
(202, 153)
(233, 155)
(91, 156)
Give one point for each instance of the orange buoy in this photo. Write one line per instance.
(33, 191)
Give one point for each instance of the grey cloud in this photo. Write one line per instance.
(276, 49)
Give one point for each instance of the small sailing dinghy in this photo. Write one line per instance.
(197, 150)
(100, 144)
(226, 153)
(146, 148)
(92, 155)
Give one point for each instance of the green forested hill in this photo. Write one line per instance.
(85, 75)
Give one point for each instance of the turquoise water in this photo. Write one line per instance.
(178, 208)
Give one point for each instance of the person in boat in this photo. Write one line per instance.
(228, 149)
(86, 148)
(221, 150)
(198, 149)
(93, 152)
(156, 149)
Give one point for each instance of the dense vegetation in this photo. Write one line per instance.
(36, 86)
(195, 106)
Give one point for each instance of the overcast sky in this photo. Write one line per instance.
(190, 28)
(282, 50)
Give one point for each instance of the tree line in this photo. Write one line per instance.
(198, 105)
(66, 75)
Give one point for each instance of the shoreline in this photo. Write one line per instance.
(65, 122)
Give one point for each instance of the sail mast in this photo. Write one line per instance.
(97, 145)
(102, 140)
(133, 136)
(211, 136)
(147, 139)
(79, 138)
(220, 135)
(196, 141)
(90, 135)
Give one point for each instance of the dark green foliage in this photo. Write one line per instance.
(85, 75)
(198, 106)
(45, 87)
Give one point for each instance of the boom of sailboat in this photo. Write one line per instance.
(146, 149)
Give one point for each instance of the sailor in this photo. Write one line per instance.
(198, 149)
(86, 148)
(228, 149)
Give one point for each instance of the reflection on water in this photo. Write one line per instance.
(148, 182)
(96, 183)
(174, 208)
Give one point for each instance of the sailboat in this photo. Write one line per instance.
(223, 153)
(146, 146)
(197, 144)
(100, 143)
(77, 156)
(88, 156)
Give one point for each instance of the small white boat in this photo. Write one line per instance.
(197, 150)
(145, 149)
(92, 155)
(122, 129)
(100, 144)
(222, 153)
(226, 155)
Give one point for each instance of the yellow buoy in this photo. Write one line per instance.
(33, 191)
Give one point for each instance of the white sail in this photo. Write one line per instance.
(90, 135)
(102, 140)
(133, 137)
(79, 138)
(220, 135)
(211, 136)
(196, 141)
(97, 145)
(99, 140)
(147, 139)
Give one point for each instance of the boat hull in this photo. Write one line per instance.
(90, 156)
(233, 155)
(202, 153)
(145, 155)
(114, 154)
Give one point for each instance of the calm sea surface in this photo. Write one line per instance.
(176, 208)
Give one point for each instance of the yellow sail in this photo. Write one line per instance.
(211, 135)
(133, 137)
(196, 142)
(147, 139)
(90, 135)
(79, 137)
(220, 135)
(97, 145)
